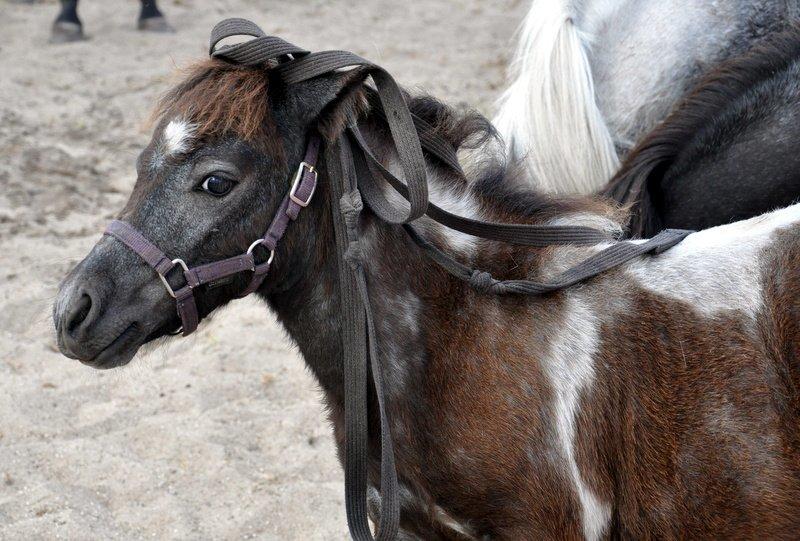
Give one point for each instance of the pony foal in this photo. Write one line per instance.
(659, 400)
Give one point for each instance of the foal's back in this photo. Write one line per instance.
(656, 401)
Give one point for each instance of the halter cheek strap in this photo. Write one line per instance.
(302, 189)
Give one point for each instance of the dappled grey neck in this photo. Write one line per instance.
(305, 294)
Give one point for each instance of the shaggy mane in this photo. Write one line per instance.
(221, 98)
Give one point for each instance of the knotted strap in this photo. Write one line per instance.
(609, 258)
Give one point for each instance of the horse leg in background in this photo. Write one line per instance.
(67, 26)
(151, 19)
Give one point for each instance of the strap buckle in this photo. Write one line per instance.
(298, 179)
(176, 261)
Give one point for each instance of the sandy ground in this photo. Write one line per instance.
(220, 436)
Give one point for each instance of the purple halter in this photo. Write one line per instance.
(303, 187)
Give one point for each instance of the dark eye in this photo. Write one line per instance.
(217, 186)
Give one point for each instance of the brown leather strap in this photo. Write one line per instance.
(302, 190)
(217, 270)
(187, 310)
(139, 244)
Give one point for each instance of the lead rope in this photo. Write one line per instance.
(360, 351)
(353, 171)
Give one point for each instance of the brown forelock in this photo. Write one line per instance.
(220, 98)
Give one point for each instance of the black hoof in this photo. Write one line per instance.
(155, 24)
(66, 32)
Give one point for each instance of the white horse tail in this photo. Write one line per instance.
(548, 116)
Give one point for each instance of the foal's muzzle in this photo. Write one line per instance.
(107, 308)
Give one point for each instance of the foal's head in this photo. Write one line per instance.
(207, 185)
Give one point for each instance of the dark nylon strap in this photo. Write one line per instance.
(256, 51)
(607, 259)
(523, 234)
(358, 335)
(431, 143)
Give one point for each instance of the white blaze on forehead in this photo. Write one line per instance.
(177, 137)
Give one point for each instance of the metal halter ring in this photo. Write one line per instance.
(176, 261)
(253, 247)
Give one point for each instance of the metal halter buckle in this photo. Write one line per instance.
(253, 247)
(298, 177)
(176, 261)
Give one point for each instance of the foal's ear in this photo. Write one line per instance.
(327, 101)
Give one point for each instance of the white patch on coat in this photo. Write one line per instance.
(177, 137)
(447, 520)
(410, 501)
(715, 269)
(461, 204)
(570, 370)
(588, 219)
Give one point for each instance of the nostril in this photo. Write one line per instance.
(79, 312)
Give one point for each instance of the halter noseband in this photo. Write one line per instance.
(299, 196)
